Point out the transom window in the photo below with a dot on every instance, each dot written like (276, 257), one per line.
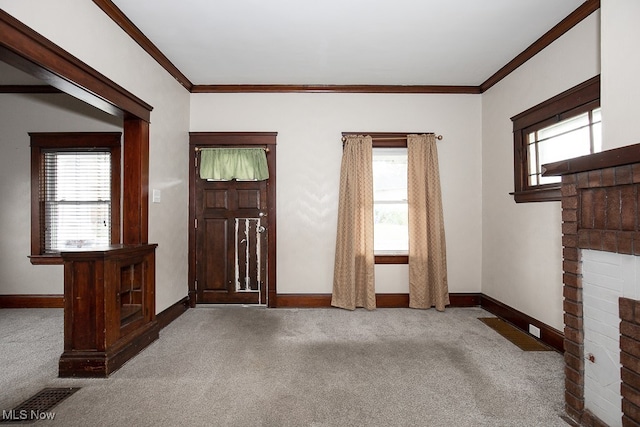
(75, 193)
(566, 126)
(573, 137)
(390, 207)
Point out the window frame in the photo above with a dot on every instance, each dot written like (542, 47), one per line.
(74, 141)
(577, 100)
(387, 140)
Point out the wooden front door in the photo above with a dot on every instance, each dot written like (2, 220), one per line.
(231, 241)
(232, 233)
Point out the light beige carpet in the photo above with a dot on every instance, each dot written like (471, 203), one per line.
(249, 366)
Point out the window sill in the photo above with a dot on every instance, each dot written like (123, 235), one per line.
(547, 194)
(46, 259)
(391, 259)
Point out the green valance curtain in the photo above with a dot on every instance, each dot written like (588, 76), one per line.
(226, 164)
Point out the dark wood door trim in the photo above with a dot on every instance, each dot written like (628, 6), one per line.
(222, 139)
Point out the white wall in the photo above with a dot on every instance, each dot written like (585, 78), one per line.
(85, 31)
(19, 115)
(510, 252)
(608, 276)
(309, 153)
(522, 249)
(620, 71)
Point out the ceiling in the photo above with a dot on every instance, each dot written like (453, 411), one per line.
(343, 42)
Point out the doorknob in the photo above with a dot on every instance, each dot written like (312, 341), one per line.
(262, 214)
(261, 229)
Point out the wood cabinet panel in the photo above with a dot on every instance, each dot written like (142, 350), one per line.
(215, 271)
(109, 312)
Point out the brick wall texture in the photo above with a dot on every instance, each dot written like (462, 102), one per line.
(630, 360)
(600, 212)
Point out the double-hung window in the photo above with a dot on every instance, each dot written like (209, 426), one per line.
(390, 206)
(75, 193)
(390, 201)
(390, 196)
(565, 126)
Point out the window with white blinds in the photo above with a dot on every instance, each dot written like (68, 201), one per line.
(77, 199)
(75, 192)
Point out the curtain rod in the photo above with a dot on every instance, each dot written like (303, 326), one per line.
(395, 138)
(266, 149)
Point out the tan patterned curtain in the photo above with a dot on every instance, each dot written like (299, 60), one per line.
(427, 251)
(353, 277)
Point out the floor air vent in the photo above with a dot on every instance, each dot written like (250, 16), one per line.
(37, 407)
(516, 336)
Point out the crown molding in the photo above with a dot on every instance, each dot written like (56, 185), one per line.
(573, 19)
(416, 89)
(582, 12)
(138, 36)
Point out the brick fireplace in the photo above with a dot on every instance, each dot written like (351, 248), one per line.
(600, 206)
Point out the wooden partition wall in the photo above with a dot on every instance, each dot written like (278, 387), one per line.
(109, 312)
(101, 332)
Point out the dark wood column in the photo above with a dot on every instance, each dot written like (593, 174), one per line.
(135, 206)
